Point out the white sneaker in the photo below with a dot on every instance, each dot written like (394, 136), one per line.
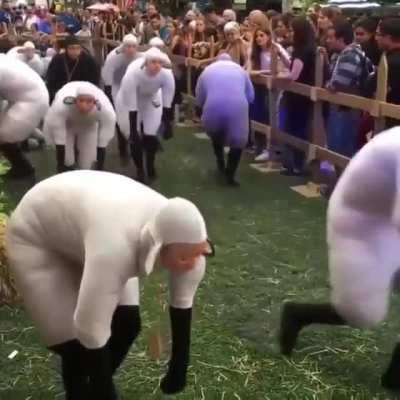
(264, 156)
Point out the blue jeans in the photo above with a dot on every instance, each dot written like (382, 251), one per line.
(342, 129)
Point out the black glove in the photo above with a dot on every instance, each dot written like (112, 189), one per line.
(108, 92)
(133, 136)
(101, 158)
(175, 380)
(60, 155)
(166, 120)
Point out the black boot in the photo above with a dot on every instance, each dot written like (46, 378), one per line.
(74, 371)
(296, 316)
(125, 328)
(151, 146)
(98, 362)
(137, 156)
(122, 143)
(20, 167)
(219, 154)
(391, 378)
(232, 165)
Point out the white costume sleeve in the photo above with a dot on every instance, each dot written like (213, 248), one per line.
(168, 88)
(103, 281)
(128, 90)
(55, 122)
(108, 68)
(183, 287)
(107, 121)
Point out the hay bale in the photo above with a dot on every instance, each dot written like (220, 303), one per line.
(8, 291)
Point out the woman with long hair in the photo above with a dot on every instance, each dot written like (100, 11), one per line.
(260, 62)
(202, 44)
(295, 110)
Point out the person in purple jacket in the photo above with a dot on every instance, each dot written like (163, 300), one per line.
(224, 91)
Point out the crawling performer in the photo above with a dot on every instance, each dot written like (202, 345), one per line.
(77, 243)
(24, 101)
(226, 111)
(363, 238)
(27, 54)
(112, 73)
(81, 116)
(141, 112)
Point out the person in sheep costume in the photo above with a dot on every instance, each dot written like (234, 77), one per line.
(81, 117)
(363, 240)
(143, 110)
(27, 54)
(24, 102)
(77, 243)
(226, 118)
(114, 68)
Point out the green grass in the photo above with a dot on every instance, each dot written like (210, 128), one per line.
(270, 245)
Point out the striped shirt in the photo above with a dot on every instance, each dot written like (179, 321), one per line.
(348, 68)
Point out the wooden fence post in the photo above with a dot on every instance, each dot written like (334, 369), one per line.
(273, 99)
(381, 93)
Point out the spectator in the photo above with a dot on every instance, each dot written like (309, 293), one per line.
(364, 34)
(202, 45)
(155, 29)
(5, 13)
(234, 44)
(258, 20)
(260, 61)
(229, 15)
(295, 110)
(281, 26)
(343, 122)
(73, 65)
(388, 37)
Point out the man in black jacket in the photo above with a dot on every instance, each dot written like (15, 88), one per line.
(72, 65)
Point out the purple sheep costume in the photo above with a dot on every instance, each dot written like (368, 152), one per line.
(224, 91)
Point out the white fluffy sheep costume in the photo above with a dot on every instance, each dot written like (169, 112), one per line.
(24, 101)
(364, 248)
(77, 243)
(144, 109)
(90, 133)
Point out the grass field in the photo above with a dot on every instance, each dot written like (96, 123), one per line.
(270, 248)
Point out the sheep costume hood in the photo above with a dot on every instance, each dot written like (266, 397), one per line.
(36, 63)
(26, 96)
(58, 220)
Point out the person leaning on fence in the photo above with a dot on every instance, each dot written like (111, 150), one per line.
(388, 37)
(343, 122)
(260, 57)
(295, 110)
(73, 65)
(225, 111)
(363, 241)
